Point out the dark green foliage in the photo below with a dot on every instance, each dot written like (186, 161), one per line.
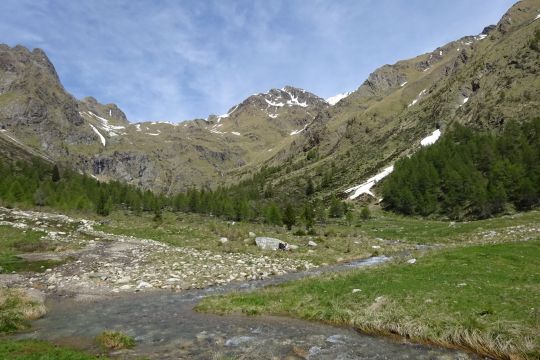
(39, 184)
(55, 174)
(289, 216)
(310, 187)
(365, 214)
(336, 208)
(469, 175)
(273, 215)
(308, 215)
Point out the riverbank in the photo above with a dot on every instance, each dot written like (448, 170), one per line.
(479, 298)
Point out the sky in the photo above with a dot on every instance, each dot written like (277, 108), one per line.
(178, 60)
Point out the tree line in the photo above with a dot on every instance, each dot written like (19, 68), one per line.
(39, 184)
(468, 174)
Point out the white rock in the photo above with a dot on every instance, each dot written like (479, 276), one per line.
(144, 285)
(356, 290)
(312, 243)
(223, 240)
(411, 261)
(252, 234)
(267, 243)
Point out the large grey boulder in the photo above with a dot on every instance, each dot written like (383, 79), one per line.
(268, 243)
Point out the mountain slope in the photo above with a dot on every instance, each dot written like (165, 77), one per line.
(481, 81)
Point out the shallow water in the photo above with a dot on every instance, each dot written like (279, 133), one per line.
(166, 327)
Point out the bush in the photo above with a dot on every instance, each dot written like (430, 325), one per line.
(115, 340)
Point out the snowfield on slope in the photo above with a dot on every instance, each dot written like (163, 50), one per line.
(365, 187)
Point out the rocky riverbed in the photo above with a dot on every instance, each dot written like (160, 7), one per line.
(99, 263)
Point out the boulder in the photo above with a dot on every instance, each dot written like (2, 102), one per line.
(267, 243)
(252, 234)
(312, 243)
(223, 240)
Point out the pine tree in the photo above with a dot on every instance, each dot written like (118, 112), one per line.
(55, 174)
(289, 216)
(310, 187)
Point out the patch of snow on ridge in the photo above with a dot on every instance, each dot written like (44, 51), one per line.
(296, 132)
(101, 137)
(235, 133)
(431, 139)
(110, 129)
(333, 100)
(224, 116)
(537, 17)
(417, 98)
(403, 84)
(365, 187)
(273, 116)
(271, 103)
(481, 37)
(294, 100)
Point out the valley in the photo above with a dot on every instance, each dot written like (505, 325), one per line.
(400, 220)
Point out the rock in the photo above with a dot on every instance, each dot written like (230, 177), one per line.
(411, 261)
(223, 240)
(237, 340)
(312, 243)
(376, 247)
(252, 234)
(356, 290)
(267, 243)
(144, 285)
(292, 247)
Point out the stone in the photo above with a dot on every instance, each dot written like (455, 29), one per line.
(252, 234)
(144, 285)
(267, 243)
(312, 243)
(237, 340)
(411, 261)
(292, 247)
(356, 290)
(223, 240)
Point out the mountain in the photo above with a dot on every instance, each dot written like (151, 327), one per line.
(99, 140)
(480, 81)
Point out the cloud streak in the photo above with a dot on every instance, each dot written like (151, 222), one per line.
(172, 60)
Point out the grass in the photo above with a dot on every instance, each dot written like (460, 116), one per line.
(115, 340)
(481, 298)
(421, 231)
(17, 309)
(15, 241)
(389, 233)
(39, 350)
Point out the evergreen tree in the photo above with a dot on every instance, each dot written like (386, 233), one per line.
(55, 174)
(289, 216)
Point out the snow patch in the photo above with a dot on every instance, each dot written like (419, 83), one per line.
(294, 100)
(296, 132)
(224, 116)
(365, 187)
(101, 137)
(464, 101)
(153, 134)
(431, 139)
(138, 127)
(271, 103)
(273, 116)
(403, 84)
(235, 133)
(480, 37)
(537, 17)
(417, 98)
(440, 53)
(110, 129)
(333, 100)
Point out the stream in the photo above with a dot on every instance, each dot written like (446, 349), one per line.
(165, 327)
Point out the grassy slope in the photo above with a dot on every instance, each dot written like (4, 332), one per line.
(483, 298)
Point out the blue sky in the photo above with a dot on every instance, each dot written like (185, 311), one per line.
(179, 60)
